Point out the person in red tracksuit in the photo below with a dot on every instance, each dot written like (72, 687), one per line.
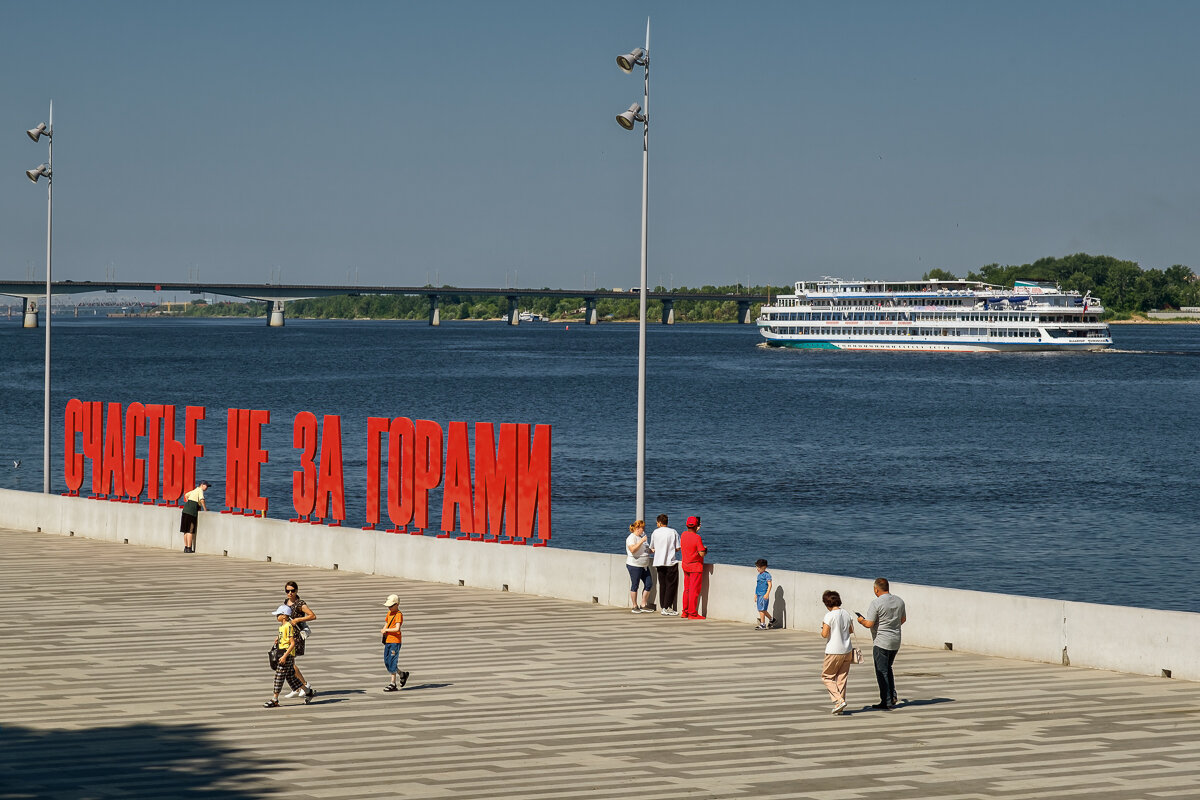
(692, 549)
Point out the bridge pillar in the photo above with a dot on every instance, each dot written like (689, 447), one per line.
(668, 317)
(743, 313)
(435, 311)
(589, 310)
(31, 314)
(514, 310)
(275, 316)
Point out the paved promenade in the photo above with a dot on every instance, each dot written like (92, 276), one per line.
(132, 672)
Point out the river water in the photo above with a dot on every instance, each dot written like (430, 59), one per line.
(1058, 475)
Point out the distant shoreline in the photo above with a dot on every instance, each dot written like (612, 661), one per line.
(1137, 319)
(1134, 320)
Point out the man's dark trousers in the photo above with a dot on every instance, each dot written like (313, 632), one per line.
(883, 673)
(668, 587)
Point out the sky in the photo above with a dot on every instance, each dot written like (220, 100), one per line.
(474, 143)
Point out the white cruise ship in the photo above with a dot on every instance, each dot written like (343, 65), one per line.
(960, 316)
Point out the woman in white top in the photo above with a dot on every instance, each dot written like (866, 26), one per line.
(637, 561)
(836, 627)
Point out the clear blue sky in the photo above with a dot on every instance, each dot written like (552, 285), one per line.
(474, 142)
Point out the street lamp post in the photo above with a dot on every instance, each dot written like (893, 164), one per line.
(640, 57)
(46, 171)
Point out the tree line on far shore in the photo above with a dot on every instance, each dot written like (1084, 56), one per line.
(483, 307)
(1123, 286)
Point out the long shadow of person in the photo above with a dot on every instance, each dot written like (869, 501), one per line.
(779, 609)
(141, 759)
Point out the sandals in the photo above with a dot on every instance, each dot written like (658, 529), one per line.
(391, 687)
(271, 704)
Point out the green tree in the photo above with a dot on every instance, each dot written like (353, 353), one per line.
(939, 275)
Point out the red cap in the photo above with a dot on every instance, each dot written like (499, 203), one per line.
(693, 522)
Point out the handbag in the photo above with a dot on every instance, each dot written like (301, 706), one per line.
(856, 656)
(273, 657)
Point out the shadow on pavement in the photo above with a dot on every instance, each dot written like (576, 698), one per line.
(931, 701)
(335, 692)
(903, 704)
(140, 760)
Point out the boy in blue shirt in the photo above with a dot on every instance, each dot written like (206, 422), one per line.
(762, 595)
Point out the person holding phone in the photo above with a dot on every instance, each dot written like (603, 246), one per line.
(884, 617)
(693, 550)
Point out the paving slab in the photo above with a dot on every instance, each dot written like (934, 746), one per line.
(134, 672)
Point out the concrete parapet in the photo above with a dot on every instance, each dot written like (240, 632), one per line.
(1135, 640)
(1183, 313)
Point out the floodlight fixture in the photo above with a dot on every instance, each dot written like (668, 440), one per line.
(627, 119)
(40, 131)
(42, 171)
(635, 58)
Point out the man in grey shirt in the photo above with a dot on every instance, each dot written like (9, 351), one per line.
(884, 617)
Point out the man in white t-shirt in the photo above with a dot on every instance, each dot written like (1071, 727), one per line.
(664, 543)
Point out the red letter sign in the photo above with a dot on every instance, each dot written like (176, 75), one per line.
(427, 468)
(456, 496)
(237, 457)
(304, 482)
(172, 473)
(112, 475)
(376, 427)
(400, 471)
(495, 480)
(533, 481)
(134, 467)
(73, 461)
(192, 450)
(254, 499)
(330, 487)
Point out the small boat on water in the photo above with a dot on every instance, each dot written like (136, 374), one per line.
(529, 316)
(962, 316)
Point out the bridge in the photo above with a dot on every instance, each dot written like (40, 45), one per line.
(277, 295)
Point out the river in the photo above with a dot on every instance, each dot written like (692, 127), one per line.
(1057, 475)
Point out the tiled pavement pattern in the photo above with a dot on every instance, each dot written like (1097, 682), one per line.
(131, 672)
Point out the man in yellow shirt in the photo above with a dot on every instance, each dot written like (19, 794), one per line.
(193, 503)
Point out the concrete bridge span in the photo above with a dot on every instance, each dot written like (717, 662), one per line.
(278, 295)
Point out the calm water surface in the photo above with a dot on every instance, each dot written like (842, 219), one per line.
(1060, 475)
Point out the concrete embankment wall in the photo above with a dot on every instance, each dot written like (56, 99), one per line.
(1135, 640)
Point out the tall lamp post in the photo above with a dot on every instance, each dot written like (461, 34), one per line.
(46, 171)
(640, 57)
